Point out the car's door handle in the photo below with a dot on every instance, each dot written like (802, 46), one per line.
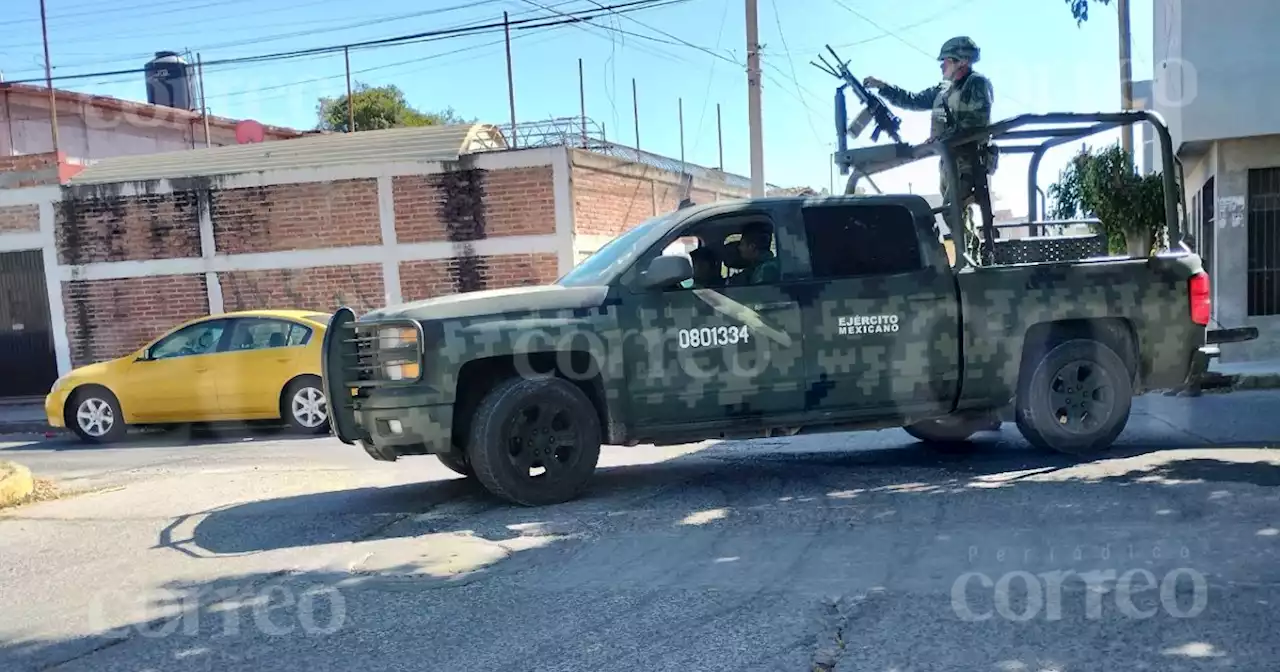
(202, 370)
(928, 297)
(765, 307)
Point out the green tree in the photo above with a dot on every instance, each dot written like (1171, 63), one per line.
(1080, 9)
(1105, 185)
(378, 107)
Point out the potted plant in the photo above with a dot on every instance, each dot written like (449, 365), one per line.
(1106, 186)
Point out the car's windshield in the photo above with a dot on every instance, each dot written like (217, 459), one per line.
(615, 255)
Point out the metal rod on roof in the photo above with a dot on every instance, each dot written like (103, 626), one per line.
(351, 108)
(681, 112)
(204, 108)
(48, 79)
(582, 102)
(511, 85)
(635, 110)
(719, 136)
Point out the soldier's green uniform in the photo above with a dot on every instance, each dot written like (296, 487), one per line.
(958, 105)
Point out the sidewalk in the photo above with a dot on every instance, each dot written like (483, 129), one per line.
(23, 416)
(1263, 375)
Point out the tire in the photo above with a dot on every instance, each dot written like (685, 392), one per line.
(566, 409)
(1047, 391)
(304, 407)
(94, 414)
(456, 461)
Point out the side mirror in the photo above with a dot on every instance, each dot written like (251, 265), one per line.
(665, 271)
(144, 355)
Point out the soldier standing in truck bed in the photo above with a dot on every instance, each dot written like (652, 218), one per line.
(962, 101)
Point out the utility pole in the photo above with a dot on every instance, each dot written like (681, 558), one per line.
(351, 108)
(48, 79)
(511, 83)
(582, 103)
(753, 102)
(204, 107)
(1126, 75)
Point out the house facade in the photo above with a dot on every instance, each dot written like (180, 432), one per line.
(1210, 67)
(104, 257)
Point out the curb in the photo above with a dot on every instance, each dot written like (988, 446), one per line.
(1261, 381)
(16, 483)
(27, 427)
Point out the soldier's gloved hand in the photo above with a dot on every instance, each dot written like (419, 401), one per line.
(873, 83)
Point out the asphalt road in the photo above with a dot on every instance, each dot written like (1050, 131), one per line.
(848, 552)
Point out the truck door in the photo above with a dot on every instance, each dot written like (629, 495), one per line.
(714, 349)
(881, 312)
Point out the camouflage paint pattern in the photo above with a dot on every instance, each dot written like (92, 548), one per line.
(802, 350)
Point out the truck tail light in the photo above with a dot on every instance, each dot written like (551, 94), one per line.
(1201, 303)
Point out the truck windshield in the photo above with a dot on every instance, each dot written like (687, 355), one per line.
(616, 255)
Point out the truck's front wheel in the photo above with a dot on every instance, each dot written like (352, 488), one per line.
(535, 441)
(1076, 399)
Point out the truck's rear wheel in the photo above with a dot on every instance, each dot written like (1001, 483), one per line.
(1076, 399)
(535, 441)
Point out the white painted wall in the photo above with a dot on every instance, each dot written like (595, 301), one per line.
(389, 253)
(1214, 63)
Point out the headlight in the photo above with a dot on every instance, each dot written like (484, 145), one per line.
(396, 337)
(398, 349)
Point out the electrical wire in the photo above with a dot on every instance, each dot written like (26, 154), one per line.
(795, 79)
(297, 33)
(522, 24)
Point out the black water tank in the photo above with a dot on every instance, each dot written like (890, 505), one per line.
(169, 81)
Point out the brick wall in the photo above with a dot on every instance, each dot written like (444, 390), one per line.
(124, 228)
(295, 216)
(111, 318)
(322, 288)
(425, 279)
(18, 218)
(474, 204)
(608, 202)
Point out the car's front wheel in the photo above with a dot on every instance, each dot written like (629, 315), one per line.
(94, 414)
(304, 405)
(535, 441)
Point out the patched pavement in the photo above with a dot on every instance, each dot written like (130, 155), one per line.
(841, 552)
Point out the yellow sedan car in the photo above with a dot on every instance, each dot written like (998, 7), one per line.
(248, 365)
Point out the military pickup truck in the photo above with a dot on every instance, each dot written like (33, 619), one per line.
(788, 316)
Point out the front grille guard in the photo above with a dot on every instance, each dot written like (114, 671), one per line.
(353, 361)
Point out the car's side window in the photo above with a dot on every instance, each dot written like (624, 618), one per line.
(847, 241)
(257, 334)
(727, 251)
(195, 339)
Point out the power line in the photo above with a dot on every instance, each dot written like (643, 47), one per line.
(794, 78)
(301, 33)
(522, 24)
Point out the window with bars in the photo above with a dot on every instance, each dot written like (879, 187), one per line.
(1263, 295)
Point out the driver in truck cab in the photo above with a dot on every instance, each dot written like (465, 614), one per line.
(754, 248)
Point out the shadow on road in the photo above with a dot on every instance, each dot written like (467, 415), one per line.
(177, 436)
(714, 560)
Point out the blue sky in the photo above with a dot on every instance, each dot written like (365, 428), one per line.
(1038, 58)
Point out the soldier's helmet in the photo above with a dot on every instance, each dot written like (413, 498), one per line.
(961, 48)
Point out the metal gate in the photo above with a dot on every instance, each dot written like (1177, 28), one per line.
(28, 365)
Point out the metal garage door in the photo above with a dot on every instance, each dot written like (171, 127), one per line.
(27, 363)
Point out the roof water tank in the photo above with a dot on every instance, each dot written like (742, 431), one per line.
(169, 81)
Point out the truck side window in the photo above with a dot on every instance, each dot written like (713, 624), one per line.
(860, 240)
